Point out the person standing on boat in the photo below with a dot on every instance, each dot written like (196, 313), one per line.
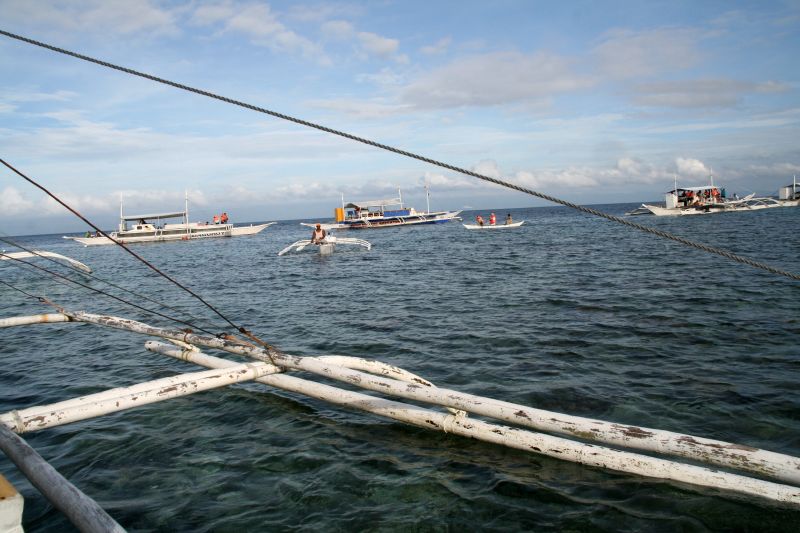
(224, 218)
(216, 219)
(479, 220)
(508, 219)
(318, 235)
(492, 220)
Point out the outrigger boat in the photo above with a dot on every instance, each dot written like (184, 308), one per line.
(326, 246)
(705, 200)
(143, 230)
(494, 226)
(382, 214)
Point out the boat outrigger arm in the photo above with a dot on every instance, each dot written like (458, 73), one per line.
(5, 256)
(326, 246)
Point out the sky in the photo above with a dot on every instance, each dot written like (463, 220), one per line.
(592, 102)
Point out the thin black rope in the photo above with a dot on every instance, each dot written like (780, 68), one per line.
(122, 300)
(39, 298)
(543, 196)
(134, 254)
(92, 276)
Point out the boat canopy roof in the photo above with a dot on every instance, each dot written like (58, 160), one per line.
(701, 188)
(373, 203)
(178, 214)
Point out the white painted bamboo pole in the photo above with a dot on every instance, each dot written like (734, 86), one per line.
(33, 319)
(109, 401)
(762, 462)
(81, 510)
(521, 439)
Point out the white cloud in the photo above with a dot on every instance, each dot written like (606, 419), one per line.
(92, 16)
(451, 182)
(373, 44)
(339, 30)
(257, 22)
(692, 168)
(625, 54)
(439, 47)
(707, 93)
(361, 109)
(24, 96)
(495, 79)
(13, 203)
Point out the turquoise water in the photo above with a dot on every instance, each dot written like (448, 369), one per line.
(568, 313)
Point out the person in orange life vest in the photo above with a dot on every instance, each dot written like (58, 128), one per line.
(223, 219)
(318, 235)
(216, 219)
(492, 220)
(479, 220)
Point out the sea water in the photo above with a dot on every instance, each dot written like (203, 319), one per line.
(569, 313)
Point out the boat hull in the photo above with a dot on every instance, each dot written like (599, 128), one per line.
(495, 226)
(389, 222)
(751, 204)
(198, 232)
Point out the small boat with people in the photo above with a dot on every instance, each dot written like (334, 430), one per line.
(492, 224)
(155, 228)
(495, 226)
(383, 213)
(325, 246)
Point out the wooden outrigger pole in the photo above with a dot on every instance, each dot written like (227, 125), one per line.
(394, 381)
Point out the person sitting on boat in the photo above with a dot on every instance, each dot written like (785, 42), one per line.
(479, 220)
(318, 235)
(508, 219)
(492, 220)
(223, 219)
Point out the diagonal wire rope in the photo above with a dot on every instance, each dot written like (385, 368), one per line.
(96, 278)
(588, 210)
(241, 329)
(121, 300)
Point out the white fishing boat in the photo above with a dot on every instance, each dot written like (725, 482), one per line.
(325, 247)
(494, 226)
(154, 228)
(385, 213)
(704, 200)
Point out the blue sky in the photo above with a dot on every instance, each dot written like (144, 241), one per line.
(593, 102)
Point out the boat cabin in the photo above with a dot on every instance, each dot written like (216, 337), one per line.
(141, 222)
(689, 196)
(372, 209)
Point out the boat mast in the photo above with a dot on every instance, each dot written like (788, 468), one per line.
(401, 197)
(122, 225)
(428, 195)
(186, 207)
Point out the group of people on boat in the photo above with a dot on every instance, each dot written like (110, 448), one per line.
(492, 220)
(221, 219)
(712, 195)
